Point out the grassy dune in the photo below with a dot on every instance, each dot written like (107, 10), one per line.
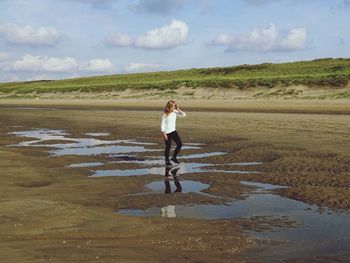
(334, 73)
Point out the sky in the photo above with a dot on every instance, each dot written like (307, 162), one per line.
(56, 39)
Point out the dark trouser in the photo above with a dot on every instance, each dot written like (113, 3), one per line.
(176, 138)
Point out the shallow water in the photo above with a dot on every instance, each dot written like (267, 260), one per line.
(117, 149)
(314, 232)
(184, 168)
(97, 134)
(258, 203)
(83, 146)
(78, 146)
(172, 186)
(76, 165)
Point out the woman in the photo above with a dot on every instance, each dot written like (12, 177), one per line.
(169, 131)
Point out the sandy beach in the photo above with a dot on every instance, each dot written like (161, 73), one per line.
(51, 212)
(327, 106)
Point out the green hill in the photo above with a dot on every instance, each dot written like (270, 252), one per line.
(317, 73)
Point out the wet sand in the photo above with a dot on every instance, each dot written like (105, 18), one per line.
(273, 105)
(54, 213)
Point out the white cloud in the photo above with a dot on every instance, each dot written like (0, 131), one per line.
(99, 65)
(49, 65)
(222, 39)
(162, 7)
(43, 63)
(27, 35)
(263, 40)
(259, 39)
(168, 36)
(142, 67)
(118, 40)
(295, 39)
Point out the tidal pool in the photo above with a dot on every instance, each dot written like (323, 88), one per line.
(184, 168)
(116, 149)
(177, 186)
(313, 233)
(78, 146)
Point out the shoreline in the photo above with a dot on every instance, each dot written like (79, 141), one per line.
(246, 105)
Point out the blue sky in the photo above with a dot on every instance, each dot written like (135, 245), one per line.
(50, 39)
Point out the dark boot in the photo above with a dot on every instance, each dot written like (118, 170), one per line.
(174, 159)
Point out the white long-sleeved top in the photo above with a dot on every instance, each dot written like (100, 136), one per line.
(169, 122)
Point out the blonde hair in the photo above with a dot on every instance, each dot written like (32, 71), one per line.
(169, 107)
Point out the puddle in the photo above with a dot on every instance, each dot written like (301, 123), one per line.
(60, 144)
(79, 146)
(261, 187)
(168, 186)
(174, 185)
(182, 157)
(254, 205)
(184, 168)
(316, 233)
(42, 134)
(75, 165)
(159, 160)
(97, 134)
(99, 150)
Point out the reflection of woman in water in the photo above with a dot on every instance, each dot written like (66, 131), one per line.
(176, 180)
(169, 132)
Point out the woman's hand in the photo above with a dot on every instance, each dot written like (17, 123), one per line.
(165, 136)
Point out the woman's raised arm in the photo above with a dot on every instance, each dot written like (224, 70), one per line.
(180, 113)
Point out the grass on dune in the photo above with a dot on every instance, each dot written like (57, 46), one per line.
(317, 73)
